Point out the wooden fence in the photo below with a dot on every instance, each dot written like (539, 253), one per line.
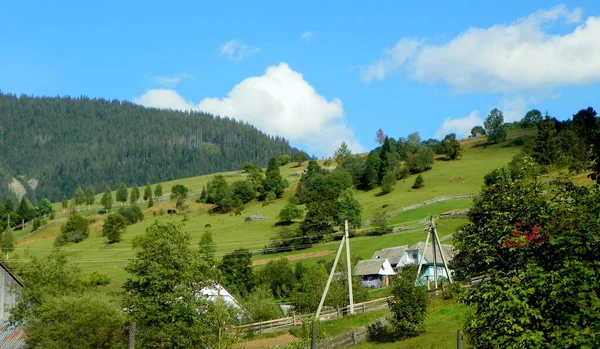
(345, 340)
(330, 314)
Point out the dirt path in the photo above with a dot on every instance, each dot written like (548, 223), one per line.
(264, 343)
(295, 257)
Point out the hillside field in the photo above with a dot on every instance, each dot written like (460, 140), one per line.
(462, 176)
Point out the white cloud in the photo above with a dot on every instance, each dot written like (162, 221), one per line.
(461, 126)
(236, 50)
(308, 36)
(172, 80)
(393, 59)
(280, 102)
(522, 55)
(513, 109)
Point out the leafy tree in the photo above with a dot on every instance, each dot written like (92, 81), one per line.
(107, 199)
(243, 190)
(261, 305)
(494, 126)
(90, 195)
(135, 195)
(7, 241)
(255, 176)
(179, 193)
(279, 276)
(147, 192)
(478, 131)
(450, 146)
(236, 272)
(408, 304)
(418, 182)
(420, 161)
(79, 198)
(121, 194)
(307, 294)
(289, 212)
(531, 119)
(161, 290)
(132, 214)
(380, 136)
(158, 191)
(342, 153)
(64, 202)
(284, 160)
(414, 138)
(114, 227)
(76, 229)
(207, 248)
(45, 207)
(388, 183)
(536, 250)
(349, 208)
(273, 181)
(300, 157)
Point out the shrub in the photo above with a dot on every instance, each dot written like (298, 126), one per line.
(376, 330)
(418, 182)
(76, 229)
(99, 279)
(132, 214)
(409, 304)
(453, 290)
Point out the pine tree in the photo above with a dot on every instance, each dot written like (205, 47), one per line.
(90, 196)
(342, 153)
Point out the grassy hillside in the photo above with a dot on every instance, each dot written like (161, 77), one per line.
(229, 232)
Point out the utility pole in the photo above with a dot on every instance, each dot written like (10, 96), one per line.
(337, 257)
(435, 241)
(349, 267)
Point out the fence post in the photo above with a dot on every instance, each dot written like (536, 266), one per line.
(459, 339)
(313, 337)
(294, 318)
(354, 337)
(132, 332)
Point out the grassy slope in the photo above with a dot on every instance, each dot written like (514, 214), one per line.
(447, 177)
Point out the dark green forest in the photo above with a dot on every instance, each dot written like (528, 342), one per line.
(68, 142)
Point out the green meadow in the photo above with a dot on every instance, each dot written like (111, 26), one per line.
(462, 176)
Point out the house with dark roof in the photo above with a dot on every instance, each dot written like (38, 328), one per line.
(374, 272)
(392, 254)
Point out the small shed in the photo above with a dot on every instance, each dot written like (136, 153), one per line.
(374, 272)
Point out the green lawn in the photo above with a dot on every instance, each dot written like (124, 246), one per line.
(444, 319)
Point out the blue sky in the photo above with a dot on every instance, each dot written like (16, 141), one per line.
(317, 73)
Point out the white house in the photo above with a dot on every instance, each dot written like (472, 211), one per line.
(374, 272)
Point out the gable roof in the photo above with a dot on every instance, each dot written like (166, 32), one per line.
(13, 276)
(392, 254)
(215, 290)
(373, 267)
(448, 250)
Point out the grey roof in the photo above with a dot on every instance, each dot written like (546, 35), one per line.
(11, 274)
(449, 252)
(393, 254)
(368, 267)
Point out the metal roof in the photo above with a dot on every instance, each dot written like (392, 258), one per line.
(373, 267)
(11, 336)
(392, 254)
(448, 250)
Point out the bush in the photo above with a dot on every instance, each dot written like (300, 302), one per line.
(132, 214)
(409, 304)
(453, 290)
(418, 182)
(76, 229)
(99, 279)
(376, 330)
(113, 228)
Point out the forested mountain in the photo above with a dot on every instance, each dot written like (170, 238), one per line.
(52, 145)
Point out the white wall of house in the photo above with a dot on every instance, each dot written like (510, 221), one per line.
(8, 295)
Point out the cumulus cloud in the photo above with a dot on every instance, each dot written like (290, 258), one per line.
(279, 102)
(461, 126)
(236, 50)
(513, 109)
(522, 55)
(308, 36)
(172, 80)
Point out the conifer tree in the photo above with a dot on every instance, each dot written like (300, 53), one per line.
(122, 194)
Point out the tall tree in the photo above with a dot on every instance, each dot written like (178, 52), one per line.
(450, 146)
(414, 138)
(380, 136)
(158, 191)
(236, 272)
(546, 147)
(90, 196)
(45, 207)
(300, 157)
(273, 181)
(107, 199)
(494, 126)
(121, 195)
(147, 193)
(64, 203)
(114, 226)
(162, 287)
(531, 119)
(342, 153)
(79, 197)
(179, 193)
(135, 194)
(350, 209)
